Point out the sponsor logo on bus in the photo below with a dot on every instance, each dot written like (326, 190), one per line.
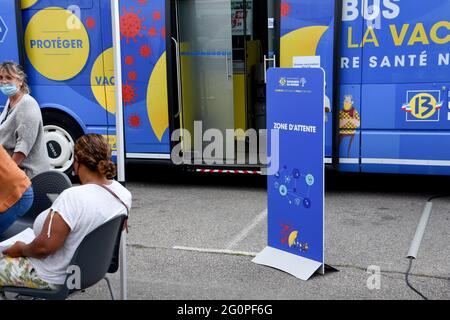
(423, 106)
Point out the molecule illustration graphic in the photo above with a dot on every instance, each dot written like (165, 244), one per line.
(288, 183)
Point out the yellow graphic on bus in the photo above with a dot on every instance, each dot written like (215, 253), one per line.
(423, 106)
(102, 80)
(157, 103)
(112, 141)
(301, 42)
(25, 4)
(57, 43)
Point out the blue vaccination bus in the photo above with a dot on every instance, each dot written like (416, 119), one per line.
(189, 66)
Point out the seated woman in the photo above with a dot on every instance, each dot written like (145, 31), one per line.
(76, 212)
(21, 128)
(16, 193)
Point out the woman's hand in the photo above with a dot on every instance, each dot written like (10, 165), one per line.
(15, 251)
(125, 226)
(18, 158)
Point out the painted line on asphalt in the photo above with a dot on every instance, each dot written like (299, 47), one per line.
(218, 251)
(244, 233)
(252, 254)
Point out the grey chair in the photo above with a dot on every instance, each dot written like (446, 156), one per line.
(45, 186)
(94, 257)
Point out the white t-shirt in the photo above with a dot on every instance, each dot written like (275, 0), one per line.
(83, 208)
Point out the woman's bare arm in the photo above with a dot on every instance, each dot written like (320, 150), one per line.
(43, 246)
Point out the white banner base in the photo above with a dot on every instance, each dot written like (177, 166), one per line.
(297, 266)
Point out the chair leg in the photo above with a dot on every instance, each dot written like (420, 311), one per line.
(110, 288)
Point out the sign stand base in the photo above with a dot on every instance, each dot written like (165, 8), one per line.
(297, 266)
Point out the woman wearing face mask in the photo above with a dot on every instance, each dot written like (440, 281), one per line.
(21, 128)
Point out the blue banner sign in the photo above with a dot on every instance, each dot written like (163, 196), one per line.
(9, 45)
(295, 107)
(9, 48)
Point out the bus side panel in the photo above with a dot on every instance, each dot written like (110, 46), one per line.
(408, 43)
(350, 90)
(109, 76)
(9, 45)
(406, 74)
(63, 45)
(307, 30)
(144, 73)
(9, 28)
(351, 51)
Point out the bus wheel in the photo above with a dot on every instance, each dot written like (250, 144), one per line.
(60, 134)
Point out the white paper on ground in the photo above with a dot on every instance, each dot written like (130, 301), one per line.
(27, 236)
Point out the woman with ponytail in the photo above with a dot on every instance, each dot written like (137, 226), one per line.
(75, 213)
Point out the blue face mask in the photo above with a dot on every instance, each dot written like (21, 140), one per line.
(9, 89)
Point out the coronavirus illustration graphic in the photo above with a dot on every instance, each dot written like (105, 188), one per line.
(156, 15)
(132, 75)
(152, 32)
(128, 94)
(285, 232)
(129, 60)
(145, 51)
(131, 25)
(90, 23)
(285, 9)
(134, 120)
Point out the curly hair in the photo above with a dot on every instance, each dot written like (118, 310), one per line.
(16, 71)
(94, 152)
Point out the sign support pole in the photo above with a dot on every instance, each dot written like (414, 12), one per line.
(121, 157)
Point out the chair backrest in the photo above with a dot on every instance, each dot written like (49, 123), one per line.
(95, 253)
(44, 184)
(114, 267)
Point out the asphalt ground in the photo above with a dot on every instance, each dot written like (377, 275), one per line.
(192, 237)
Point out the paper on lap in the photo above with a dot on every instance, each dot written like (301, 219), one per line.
(27, 236)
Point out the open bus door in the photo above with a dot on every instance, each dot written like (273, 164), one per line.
(11, 34)
(203, 61)
(216, 65)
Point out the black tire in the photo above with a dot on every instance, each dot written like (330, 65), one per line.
(61, 133)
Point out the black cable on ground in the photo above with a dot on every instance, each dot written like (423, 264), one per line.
(407, 280)
(439, 197)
